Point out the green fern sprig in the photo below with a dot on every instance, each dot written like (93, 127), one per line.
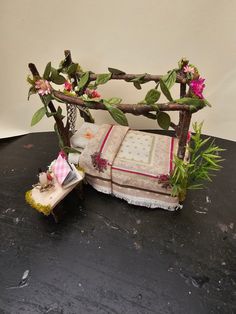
(204, 160)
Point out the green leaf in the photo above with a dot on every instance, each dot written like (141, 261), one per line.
(57, 99)
(114, 101)
(115, 71)
(83, 80)
(32, 91)
(103, 78)
(210, 160)
(207, 103)
(56, 77)
(89, 116)
(192, 109)
(54, 73)
(72, 69)
(155, 107)
(61, 144)
(38, 116)
(47, 99)
(169, 79)
(116, 114)
(92, 86)
(59, 113)
(59, 80)
(59, 110)
(91, 100)
(196, 102)
(165, 90)
(139, 78)
(68, 150)
(63, 70)
(163, 120)
(85, 97)
(30, 80)
(137, 85)
(195, 186)
(152, 96)
(47, 71)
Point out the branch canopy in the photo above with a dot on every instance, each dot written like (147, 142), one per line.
(80, 91)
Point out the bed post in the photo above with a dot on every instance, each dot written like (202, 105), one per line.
(184, 134)
(181, 113)
(183, 126)
(62, 130)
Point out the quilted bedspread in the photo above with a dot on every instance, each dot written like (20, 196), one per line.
(129, 164)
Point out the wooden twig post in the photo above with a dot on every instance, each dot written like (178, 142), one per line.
(184, 134)
(63, 130)
(183, 125)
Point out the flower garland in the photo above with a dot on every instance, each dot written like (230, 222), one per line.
(193, 79)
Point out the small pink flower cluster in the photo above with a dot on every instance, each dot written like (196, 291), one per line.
(196, 82)
(92, 93)
(63, 154)
(164, 178)
(68, 86)
(189, 135)
(189, 69)
(43, 87)
(98, 162)
(197, 86)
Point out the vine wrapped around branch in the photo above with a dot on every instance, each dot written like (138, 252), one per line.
(80, 89)
(135, 109)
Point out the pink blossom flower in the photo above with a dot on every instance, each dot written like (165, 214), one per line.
(49, 176)
(189, 136)
(197, 87)
(92, 93)
(189, 69)
(99, 163)
(164, 178)
(68, 86)
(43, 87)
(62, 154)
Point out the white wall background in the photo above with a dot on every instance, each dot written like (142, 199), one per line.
(134, 35)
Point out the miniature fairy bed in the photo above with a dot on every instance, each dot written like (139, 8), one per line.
(143, 168)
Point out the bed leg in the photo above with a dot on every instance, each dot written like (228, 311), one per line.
(181, 113)
(184, 134)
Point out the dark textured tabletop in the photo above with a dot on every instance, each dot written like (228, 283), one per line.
(105, 256)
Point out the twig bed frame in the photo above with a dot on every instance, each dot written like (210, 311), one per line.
(185, 110)
(80, 93)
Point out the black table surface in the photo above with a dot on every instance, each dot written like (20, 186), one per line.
(106, 256)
